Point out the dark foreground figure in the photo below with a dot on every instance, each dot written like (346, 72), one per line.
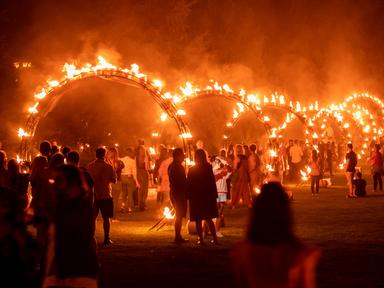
(272, 256)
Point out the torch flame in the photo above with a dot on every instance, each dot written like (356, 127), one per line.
(167, 213)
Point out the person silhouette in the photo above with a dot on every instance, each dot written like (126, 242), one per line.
(272, 256)
(202, 195)
(103, 176)
(71, 254)
(178, 195)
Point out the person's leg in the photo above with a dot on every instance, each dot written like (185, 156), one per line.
(380, 182)
(375, 181)
(131, 189)
(143, 190)
(351, 184)
(199, 229)
(348, 176)
(317, 184)
(124, 197)
(116, 191)
(107, 214)
(212, 228)
(124, 193)
(235, 197)
(178, 225)
(141, 180)
(106, 226)
(220, 207)
(312, 184)
(330, 168)
(246, 195)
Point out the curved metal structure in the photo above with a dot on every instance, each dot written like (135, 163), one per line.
(53, 95)
(233, 97)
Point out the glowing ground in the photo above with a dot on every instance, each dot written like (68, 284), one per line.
(349, 232)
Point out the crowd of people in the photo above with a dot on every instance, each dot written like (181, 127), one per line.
(65, 199)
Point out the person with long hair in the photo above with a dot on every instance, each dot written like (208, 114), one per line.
(112, 158)
(376, 162)
(314, 164)
(202, 195)
(241, 188)
(142, 176)
(254, 167)
(162, 176)
(71, 256)
(272, 256)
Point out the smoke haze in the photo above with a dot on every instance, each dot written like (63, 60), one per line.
(304, 49)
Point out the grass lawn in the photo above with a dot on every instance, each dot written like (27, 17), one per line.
(350, 233)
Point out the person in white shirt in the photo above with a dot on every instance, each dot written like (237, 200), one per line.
(296, 154)
(128, 180)
(222, 172)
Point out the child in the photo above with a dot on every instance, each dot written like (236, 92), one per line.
(222, 172)
(359, 185)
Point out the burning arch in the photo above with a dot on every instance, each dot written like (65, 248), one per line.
(365, 96)
(47, 98)
(242, 106)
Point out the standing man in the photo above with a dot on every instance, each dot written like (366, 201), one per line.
(254, 167)
(178, 191)
(142, 168)
(350, 170)
(128, 180)
(103, 176)
(296, 154)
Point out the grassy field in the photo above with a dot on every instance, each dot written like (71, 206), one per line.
(350, 233)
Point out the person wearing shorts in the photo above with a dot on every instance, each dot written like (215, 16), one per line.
(221, 170)
(103, 176)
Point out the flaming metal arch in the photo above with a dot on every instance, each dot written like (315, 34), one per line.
(126, 77)
(328, 113)
(204, 94)
(300, 116)
(367, 97)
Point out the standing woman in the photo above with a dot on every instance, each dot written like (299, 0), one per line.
(240, 179)
(162, 176)
(112, 158)
(202, 194)
(314, 164)
(377, 167)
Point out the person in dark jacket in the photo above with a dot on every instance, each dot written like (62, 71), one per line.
(178, 193)
(202, 195)
(18, 184)
(71, 257)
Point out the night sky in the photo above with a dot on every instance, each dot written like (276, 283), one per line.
(305, 49)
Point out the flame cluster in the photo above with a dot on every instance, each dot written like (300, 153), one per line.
(348, 113)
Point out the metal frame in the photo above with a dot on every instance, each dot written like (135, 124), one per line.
(119, 76)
